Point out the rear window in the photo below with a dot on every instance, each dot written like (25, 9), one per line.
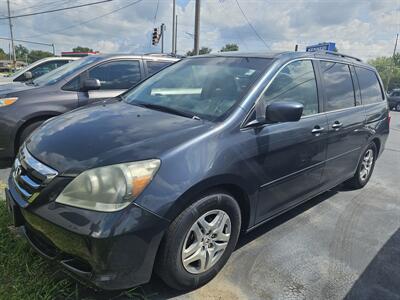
(371, 91)
(155, 66)
(338, 85)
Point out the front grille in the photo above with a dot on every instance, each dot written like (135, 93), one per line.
(30, 176)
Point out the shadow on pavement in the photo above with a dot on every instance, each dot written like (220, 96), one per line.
(381, 279)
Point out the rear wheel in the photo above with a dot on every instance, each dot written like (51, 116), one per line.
(199, 241)
(398, 107)
(365, 168)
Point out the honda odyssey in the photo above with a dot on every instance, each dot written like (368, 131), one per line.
(164, 178)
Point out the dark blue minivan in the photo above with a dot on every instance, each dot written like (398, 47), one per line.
(164, 177)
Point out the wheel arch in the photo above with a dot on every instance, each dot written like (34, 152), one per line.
(228, 183)
(29, 121)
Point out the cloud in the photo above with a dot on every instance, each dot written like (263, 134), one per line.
(362, 28)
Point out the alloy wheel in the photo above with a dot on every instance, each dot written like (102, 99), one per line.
(366, 165)
(206, 241)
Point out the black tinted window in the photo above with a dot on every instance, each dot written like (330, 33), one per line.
(338, 85)
(155, 66)
(295, 82)
(117, 75)
(370, 88)
(43, 69)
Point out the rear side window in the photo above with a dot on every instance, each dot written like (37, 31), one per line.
(117, 75)
(371, 91)
(295, 82)
(155, 66)
(338, 85)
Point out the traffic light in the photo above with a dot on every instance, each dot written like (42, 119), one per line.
(156, 37)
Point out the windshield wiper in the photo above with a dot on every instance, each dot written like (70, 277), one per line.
(167, 110)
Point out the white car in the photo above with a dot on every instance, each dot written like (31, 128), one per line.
(36, 69)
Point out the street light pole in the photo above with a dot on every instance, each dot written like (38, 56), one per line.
(173, 26)
(11, 34)
(197, 28)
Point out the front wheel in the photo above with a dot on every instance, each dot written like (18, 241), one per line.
(365, 168)
(199, 241)
(398, 107)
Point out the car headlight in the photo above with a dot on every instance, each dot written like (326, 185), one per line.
(7, 101)
(109, 188)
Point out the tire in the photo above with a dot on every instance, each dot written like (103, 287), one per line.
(398, 107)
(186, 232)
(26, 133)
(361, 178)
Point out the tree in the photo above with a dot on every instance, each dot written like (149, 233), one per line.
(230, 47)
(3, 55)
(203, 50)
(35, 55)
(21, 52)
(388, 67)
(82, 49)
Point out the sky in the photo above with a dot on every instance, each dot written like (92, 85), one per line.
(362, 28)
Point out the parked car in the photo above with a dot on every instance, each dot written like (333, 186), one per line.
(167, 175)
(394, 99)
(25, 106)
(36, 69)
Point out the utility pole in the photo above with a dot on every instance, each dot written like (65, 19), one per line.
(162, 37)
(176, 34)
(173, 26)
(393, 63)
(11, 34)
(197, 28)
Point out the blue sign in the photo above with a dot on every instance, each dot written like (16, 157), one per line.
(321, 47)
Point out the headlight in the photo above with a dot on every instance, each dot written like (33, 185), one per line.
(7, 101)
(109, 188)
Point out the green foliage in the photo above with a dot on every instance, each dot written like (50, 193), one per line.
(203, 50)
(388, 67)
(230, 47)
(35, 55)
(21, 52)
(3, 55)
(82, 49)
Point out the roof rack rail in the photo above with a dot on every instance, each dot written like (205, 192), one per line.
(340, 54)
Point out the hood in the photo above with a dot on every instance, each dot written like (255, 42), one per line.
(15, 87)
(109, 133)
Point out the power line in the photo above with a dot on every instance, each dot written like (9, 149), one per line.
(251, 26)
(88, 21)
(54, 10)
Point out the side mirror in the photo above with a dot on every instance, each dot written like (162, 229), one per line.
(90, 84)
(28, 75)
(283, 112)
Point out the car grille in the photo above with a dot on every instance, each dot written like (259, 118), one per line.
(30, 176)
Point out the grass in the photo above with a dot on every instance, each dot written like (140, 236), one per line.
(26, 275)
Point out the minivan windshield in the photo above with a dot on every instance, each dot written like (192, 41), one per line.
(205, 87)
(64, 71)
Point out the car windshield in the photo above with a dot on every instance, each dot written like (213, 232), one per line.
(205, 87)
(64, 71)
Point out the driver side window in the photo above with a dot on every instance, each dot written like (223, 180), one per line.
(295, 82)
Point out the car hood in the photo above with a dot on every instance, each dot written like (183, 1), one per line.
(15, 87)
(109, 133)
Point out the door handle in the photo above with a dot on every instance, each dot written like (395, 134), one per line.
(337, 125)
(317, 130)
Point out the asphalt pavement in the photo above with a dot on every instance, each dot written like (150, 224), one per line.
(341, 245)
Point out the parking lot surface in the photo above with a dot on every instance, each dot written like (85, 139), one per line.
(342, 244)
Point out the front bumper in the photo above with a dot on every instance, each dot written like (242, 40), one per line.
(109, 250)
